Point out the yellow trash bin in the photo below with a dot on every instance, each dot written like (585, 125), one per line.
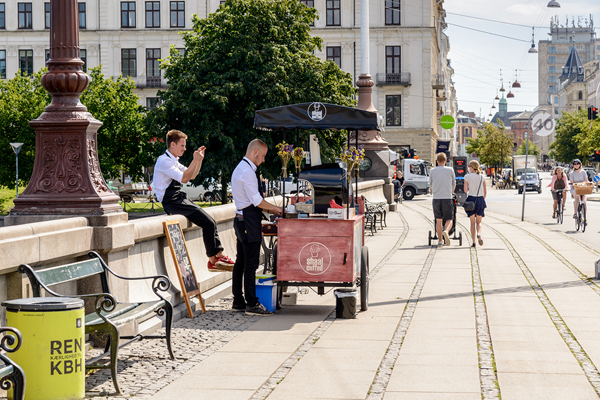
(52, 355)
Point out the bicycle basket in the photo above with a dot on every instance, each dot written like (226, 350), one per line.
(584, 188)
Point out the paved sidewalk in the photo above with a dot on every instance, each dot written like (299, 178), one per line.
(516, 318)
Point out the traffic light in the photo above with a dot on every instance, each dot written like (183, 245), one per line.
(592, 113)
(595, 156)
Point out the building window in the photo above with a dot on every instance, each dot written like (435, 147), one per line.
(555, 100)
(2, 19)
(552, 79)
(552, 69)
(152, 68)
(580, 96)
(128, 14)
(552, 59)
(177, 14)
(24, 15)
(26, 62)
(393, 110)
(3, 64)
(128, 64)
(47, 15)
(551, 49)
(152, 102)
(47, 55)
(152, 14)
(83, 56)
(311, 4)
(181, 51)
(82, 19)
(467, 134)
(392, 59)
(392, 12)
(333, 12)
(335, 54)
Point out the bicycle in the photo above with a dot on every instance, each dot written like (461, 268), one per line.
(581, 221)
(559, 208)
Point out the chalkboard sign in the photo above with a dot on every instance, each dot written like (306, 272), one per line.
(183, 265)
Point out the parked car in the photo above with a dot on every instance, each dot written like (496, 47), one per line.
(591, 173)
(532, 182)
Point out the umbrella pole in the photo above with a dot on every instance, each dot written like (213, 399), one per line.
(298, 171)
(283, 187)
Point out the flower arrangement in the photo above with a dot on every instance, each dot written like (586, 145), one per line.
(352, 157)
(284, 151)
(298, 155)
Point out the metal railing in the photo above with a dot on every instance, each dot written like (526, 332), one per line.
(438, 82)
(400, 78)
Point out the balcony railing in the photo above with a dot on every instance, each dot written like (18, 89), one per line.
(399, 79)
(142, 82)
(438, 82)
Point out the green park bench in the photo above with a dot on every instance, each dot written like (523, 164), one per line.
(109, 314)
(11, 375)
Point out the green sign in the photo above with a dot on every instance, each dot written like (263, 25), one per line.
(447, 122)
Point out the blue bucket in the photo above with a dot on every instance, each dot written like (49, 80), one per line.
(266, 291)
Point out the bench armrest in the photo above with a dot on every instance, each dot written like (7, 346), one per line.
(11, 337)
(160, 282)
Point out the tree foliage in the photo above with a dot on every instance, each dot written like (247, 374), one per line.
(247, 56)
(572, 137)
(124, 143)
(22, 99)
(533, 149)
(493, 144)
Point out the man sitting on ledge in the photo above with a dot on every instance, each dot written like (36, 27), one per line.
(169, 174)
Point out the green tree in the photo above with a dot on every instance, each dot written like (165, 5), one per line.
(249, 55)
(533, 149)
(22, 99)
(570, 129)
(124, 143)
(493, 144)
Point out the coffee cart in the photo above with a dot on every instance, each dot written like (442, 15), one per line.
(316, 251)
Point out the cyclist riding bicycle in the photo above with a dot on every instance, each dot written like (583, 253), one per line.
(578, 175)
(559, 181)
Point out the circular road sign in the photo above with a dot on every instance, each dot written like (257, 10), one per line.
(447, 122)
(596, 178)
(543, 124)
(473, 155)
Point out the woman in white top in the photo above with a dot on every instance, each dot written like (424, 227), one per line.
(475, 186)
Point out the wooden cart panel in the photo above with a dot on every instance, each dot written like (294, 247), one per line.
(319, 250)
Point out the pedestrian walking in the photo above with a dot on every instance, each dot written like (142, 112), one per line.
(476, 188)
(442, 182)
(558, 182)
(169, 174)
(249, 203)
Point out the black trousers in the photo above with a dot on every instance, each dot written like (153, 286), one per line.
(198, 216)
(244, 269)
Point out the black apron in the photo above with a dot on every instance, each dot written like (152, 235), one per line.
(175, 201)
(252, 218)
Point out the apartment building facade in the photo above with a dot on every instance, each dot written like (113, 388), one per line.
(408, 49)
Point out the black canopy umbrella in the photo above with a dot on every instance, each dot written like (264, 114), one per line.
(315, 116)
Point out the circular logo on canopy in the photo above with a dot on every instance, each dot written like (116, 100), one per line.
(447, 122)
(314, 258)
(316, 111)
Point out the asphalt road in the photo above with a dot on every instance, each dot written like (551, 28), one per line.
(538, 209)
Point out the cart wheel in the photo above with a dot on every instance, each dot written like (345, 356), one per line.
(460, 238)
(429, 238)
(364, 279)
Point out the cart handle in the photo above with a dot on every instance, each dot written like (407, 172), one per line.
(262, 280)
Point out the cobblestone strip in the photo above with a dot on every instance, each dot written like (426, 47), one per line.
(583, 277)
(488, 375)
(588, 367)
(384, 372)
(144, 367)
(267, 388)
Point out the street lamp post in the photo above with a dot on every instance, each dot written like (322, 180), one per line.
(17, 148)
(526, 156)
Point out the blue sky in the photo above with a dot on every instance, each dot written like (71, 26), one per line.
(478, 57)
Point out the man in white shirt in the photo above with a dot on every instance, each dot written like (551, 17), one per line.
(249, 204)
(443, 182)
(169, 174)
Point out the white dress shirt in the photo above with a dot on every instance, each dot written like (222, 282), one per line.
(244, 186)
(167, 168)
